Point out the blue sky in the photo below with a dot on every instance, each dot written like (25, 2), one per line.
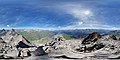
(60, 14)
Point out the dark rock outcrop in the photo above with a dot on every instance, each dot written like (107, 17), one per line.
(90, 43)
(39, 51)
(113, 37)
(93, 37)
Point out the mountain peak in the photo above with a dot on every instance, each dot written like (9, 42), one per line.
(93, 37)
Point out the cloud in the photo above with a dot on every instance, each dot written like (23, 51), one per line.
(86, 17)
(87, 26)
(80, 23)
(8, 25)
(80, 12)
(60, 14)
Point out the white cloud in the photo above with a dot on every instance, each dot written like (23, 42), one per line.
(80, 23)
(87, 18)
(87, 26)
(87, 12)
(85, 15)
(8, 25)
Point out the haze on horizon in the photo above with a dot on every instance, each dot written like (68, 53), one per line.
(60, 14)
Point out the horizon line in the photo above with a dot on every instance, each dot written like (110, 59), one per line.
(64, 28)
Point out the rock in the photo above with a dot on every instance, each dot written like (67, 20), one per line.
(11, 42)
(65, 57)
(44, 57)
(14, 45)
(93, 37)
(91, 43)
(102, 54)
(29, 53)
(3, 32)
(39, 51)
(49, 49)
(1, 40)
(113, 56)
(13, 54)
(6, 57)
(113, 37)
(108, 37)
(50, 43)
(59, 37)
(56, 46)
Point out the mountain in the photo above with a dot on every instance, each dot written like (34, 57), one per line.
(13, 38)
(36, 34)
(12, 43)
(115, 32)
(93, 45)
(80, 33)
(93, 37)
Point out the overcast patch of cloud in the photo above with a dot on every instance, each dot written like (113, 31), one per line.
(86, 17)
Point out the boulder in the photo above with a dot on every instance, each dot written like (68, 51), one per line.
(6, 57)
(39, 51)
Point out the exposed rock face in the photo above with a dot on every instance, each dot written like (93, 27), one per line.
(93, 37)
(109, 37)
(39, 51)
(13, 45)
(113, 37)
(53, 45)
(94, 45)
(90, 43)
(59, 37)
(14, 39)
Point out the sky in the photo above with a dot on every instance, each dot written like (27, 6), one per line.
(60, 14)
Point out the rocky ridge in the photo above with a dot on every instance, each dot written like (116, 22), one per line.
(13, 45)
(94, 45)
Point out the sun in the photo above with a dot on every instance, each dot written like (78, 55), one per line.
(87, 12)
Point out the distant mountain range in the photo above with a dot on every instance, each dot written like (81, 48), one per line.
(32, 34)
(79, 33)
(115, 32)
